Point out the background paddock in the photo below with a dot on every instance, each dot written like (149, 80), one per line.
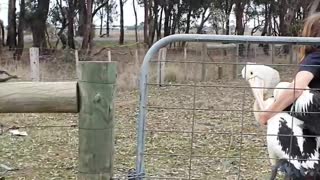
(213, 113)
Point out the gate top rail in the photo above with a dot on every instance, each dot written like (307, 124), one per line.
(195, 38)
(219, 38)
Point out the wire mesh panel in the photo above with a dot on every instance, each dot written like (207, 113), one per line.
(199, 124)
(34, 146)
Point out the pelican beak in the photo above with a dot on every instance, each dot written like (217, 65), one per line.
(257, 85)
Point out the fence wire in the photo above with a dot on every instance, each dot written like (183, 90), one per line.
(38, 145)
(50, 149)
(194, 129)
(204, 128)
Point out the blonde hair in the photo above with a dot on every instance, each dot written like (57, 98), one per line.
(311, 28)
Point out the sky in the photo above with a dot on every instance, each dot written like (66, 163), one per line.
(128, 13)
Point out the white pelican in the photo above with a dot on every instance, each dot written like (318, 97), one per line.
(254, 74)
(289, 151)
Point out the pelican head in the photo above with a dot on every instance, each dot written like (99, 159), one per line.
(261, 78)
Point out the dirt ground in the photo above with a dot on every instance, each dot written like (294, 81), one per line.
(202, 132)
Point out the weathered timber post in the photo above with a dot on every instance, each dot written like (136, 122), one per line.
(273, 49)
(291, 54)
(96, 122)
(38, 97)
(76, 56)
(161, 66)
(185, 59)
(204, 54)
(235, 65)
(255, 51)
(34, 64)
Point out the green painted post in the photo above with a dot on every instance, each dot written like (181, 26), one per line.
(97, 81)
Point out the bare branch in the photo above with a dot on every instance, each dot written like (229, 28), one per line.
(99, 7)
(314, 7)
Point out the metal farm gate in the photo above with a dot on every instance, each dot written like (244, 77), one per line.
(189, 161)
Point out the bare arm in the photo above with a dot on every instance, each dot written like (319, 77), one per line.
(289, 95)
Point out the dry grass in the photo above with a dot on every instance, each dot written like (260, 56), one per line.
(51, 153)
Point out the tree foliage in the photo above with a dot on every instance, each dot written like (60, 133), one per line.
(162, 18)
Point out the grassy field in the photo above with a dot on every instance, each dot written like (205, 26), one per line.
(203, 132)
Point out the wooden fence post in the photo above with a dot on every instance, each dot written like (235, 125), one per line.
(76, 56)
(34, 64)
(219, 72)
(235, 66)
(109, 55)
(96, 119)
(185, 58)
(161, 66)
(255, 51)
(272, 53)
(136, 55)
(291, 54)
(204, 54)
(295, 55)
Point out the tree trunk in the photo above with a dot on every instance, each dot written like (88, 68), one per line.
(101, 24)
(188, 22)
(189, 18)
(38, 34)
(62, 36)
(121, 39)
(71, 15)
(176, 19)
(82, 17)
(166, 21)
(239, 10)
(270, 20)
(108, 20)
(276, 26)
(283, 26)
(88, 27)
(160, 25)
(2, 33)
(146, 21)
(151, 23)
(287, 14)
(167, 15)
(265, 27)
(227, 10)
(12, 26)
(174, 23)
(136, 20)
(20, 30)
(38, 25)
(228, 26)
(204, 19)
(154, 22)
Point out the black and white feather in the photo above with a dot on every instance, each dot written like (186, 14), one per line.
(293, 148)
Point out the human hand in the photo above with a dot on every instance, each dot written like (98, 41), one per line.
(264, 117)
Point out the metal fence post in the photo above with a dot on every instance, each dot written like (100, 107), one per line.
(96, 122)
